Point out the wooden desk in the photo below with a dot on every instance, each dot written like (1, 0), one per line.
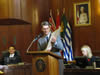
(25, 69)
(82, 72)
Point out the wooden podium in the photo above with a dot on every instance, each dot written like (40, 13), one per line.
(44, 63)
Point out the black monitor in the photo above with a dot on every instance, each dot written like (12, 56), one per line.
(81, 61)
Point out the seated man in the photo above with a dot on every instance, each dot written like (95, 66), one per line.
(11, 56)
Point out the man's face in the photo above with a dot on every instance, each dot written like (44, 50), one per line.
(46, 29)
(11, 50)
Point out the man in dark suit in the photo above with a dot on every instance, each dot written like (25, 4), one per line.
(11, 56)
(57, 45)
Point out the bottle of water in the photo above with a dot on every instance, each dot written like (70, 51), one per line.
(94, 65)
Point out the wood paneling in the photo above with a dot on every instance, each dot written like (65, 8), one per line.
(40, 12)
(25, 69)
(18, 35)
(84, 35)
(97, 22)
(14, 9)
(13, 13)
(81, 35)
(81, 71)
(49, 63)
(32, 11)
(4, 9)
(26, 10)
(10, 9)
(36, 11)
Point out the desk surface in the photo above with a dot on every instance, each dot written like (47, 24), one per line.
(73, 71)
(25, 69)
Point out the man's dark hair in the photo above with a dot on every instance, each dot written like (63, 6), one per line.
(12, 46)
(45, 23)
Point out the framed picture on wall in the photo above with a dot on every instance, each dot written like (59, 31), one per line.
(82, 14)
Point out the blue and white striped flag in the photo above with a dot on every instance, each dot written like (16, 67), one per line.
(66, 39)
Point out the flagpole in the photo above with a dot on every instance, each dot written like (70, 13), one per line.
(51, 21)
(57, 19)
(66, 38)
(52, 18)
(63, 10)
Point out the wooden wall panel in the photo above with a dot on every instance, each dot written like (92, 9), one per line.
(97, 22)
(3, 41)
(40, 12)
(33, 11)
(55, 5)
(85, 34)
(36, 11)
(88, 35)
(15, 9)
(3, 37)
(26, 10)
(23, 39)
(18, 35)
(4, 9)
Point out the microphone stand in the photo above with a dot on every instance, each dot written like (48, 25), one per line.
(31, 44)
(36, 38)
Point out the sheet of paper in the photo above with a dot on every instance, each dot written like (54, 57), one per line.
(55, 34)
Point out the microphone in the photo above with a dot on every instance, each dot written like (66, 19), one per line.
(36, 38)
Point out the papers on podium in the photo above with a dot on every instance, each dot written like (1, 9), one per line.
(55, 34)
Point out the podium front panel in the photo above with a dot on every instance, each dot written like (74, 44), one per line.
(45, 65)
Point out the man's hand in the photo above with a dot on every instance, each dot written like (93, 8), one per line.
(53, 40)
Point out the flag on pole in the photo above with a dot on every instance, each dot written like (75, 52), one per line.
(66, 38)
(51, 21)
(58, 19)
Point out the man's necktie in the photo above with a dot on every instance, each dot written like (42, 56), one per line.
(47, 39)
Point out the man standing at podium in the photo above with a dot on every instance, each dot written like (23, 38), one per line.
(57, 45)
